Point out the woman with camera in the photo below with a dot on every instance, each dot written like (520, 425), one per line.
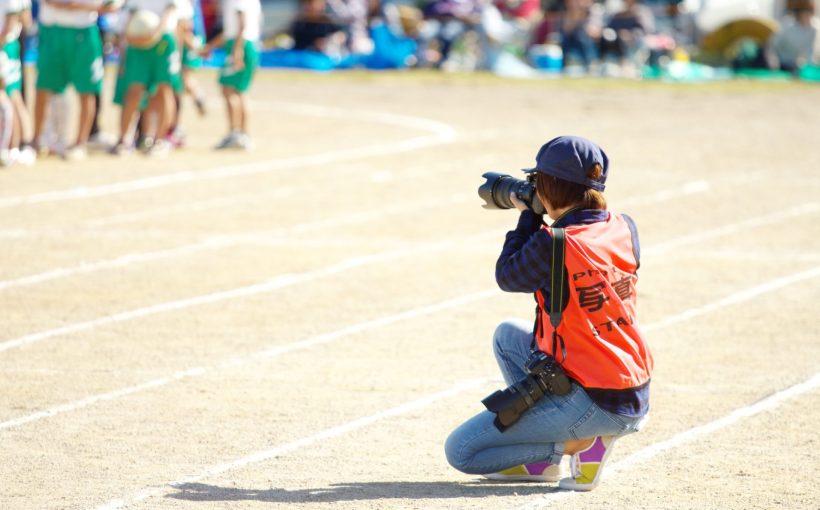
(592, 336)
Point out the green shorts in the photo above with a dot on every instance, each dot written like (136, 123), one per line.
(70, 56)
(239, 80)
(121, 87)
(152, 67)
(13, 74)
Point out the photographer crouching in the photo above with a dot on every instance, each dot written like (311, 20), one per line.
(579, 378)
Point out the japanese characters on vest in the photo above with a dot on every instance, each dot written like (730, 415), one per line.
(603, 346)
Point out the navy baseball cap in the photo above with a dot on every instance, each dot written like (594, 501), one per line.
(570, 158)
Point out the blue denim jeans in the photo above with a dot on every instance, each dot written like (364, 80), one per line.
(477, 447)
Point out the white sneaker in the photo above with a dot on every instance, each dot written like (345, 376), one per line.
(244, 141)
(160, 149)
(8, 157)
(76, 153)
(100, 141)
(27, 155)
(535, 472)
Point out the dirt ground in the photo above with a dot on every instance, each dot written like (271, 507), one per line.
(301, 326)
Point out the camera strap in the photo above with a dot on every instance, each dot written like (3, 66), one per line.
(557, 289)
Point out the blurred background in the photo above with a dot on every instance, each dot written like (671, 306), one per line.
(680, 40)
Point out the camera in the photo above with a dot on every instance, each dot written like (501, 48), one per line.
(496, 192)
(545, 376)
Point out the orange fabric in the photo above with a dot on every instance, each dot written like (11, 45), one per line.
(604, 347)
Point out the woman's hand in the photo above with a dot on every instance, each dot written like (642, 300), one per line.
(521, 206)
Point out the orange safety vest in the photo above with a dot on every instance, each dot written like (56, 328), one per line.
(602, 346)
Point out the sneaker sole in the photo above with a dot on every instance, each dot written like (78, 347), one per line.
(522, 478)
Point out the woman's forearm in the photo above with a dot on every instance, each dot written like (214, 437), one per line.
(523, 265)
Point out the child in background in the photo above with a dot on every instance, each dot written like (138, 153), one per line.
(150, 66)
(70, 53)
(16, 123)
(239, 38)
(189, 44)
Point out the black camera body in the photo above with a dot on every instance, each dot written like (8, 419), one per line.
(545, 376)
(498, 187)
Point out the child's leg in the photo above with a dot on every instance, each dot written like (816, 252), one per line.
(22, 115)
(166, 110)
(40, 110)
(6, 122)
(231, 107)
(88, 107)
(133, 97)
(243, 112)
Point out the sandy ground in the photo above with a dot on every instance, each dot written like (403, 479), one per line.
(302, 325)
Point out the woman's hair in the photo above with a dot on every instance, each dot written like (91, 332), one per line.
(560, 193)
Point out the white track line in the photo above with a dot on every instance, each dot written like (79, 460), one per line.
(324, 338)
(285, 280)
(740, 226)
(738, 297)
(767, 404)
(270, 285)
(303, 442)
(217, 242)
(439, 134)
(188, 207)
(732, 299)
(227, 240)
(263, 354)
(755, 256)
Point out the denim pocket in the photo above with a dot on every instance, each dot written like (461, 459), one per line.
(596, 422)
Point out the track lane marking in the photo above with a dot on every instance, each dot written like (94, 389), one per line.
(222, 241)
(439, 134)
(269, 285)
(687, 436)
(291, 279)
(269, 352)
(325, 338)
(303, 442)
(732, 299)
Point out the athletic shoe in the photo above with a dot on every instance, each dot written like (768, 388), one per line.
(587, 465)
(8, 157)
(159, 149)
(535, 472)
(120, 149)
(229, 142)
(27, 155)
(245, 142)
(144, 144)
(76, 153)
(100, 141)
(176, 138)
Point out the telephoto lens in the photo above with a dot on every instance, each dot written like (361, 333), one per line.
(497, 189)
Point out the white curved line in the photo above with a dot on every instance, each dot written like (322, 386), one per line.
(440, 134)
